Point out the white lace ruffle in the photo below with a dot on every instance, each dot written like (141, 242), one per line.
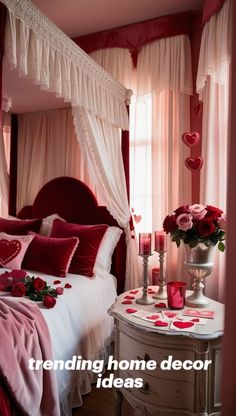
(215, 49)
(42, 51)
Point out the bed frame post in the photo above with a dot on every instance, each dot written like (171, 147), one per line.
(13, 166)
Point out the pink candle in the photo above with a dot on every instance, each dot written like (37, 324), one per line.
(145, 243)
(160, 241)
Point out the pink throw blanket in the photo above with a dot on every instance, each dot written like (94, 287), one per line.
(24, 334)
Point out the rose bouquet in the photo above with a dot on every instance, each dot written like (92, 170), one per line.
(36, 289)
(195, 224)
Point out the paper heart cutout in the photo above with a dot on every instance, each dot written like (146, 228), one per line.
(195, 320)
(153, 317)
(161, 323)
(131, 310)
(191, 139)
(9, 250)
(170, 314)
(127, 302)
(183, 325)
(151, 292)
(160, 305)
(129, 297)
(194, 163)
(134, 292)
(137, 218)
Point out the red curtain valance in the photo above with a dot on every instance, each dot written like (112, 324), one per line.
(211, 7)
(136, 35)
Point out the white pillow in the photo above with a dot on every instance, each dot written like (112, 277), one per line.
(47, 222)
(106, 249)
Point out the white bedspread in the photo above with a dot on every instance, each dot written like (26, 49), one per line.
(79, 325)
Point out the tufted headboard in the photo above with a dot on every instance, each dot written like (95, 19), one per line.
(75, 202)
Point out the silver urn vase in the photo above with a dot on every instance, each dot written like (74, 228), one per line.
(199, 263)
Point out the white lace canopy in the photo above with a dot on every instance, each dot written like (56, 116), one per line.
(51, 59)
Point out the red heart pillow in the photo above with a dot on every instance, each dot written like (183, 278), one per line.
(13, 249)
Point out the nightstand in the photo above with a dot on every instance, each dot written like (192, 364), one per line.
(171, 392)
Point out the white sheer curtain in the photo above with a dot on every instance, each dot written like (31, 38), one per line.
(4, 163)
(47, 148)
(101, 146)
(213, 87)
(159, 114)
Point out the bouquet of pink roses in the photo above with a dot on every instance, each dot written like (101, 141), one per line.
(195, 224)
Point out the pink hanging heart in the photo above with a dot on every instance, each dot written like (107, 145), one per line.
(161, 323)
(191, 139)
(194, 163)
(183, 325)
(137, 218)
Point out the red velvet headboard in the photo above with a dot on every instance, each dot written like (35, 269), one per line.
(74, 201)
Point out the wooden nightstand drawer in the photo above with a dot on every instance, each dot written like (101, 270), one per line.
(131, 349)
(161, 392)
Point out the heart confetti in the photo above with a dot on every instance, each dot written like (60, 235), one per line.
(182, 325)
(129, 297)
(134, 292)
(194, 163)
(152, 317)
(130, 310)
(191, 139)
(127, 302)
(161, 323)
(160, 305)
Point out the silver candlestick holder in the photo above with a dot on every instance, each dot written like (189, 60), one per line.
(145, 299)
(161, 292)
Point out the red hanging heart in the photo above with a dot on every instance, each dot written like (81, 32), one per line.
(161, 323)
(194, 163)
(9, 250)
(191, 139)
(183, 325)
(197, 109)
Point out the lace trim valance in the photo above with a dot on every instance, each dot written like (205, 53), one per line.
(39, 49)
(215, 48)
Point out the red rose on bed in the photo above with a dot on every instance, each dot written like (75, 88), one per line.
(18, 290)
(169, 224)
(39, 284)
(49, 301)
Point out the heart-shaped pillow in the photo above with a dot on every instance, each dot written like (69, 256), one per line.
(194, 163)
(191, 139)
(12, 249)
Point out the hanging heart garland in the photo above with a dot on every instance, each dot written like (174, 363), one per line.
(194, 163)
(191, 139)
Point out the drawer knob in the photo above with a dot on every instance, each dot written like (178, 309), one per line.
(146, 357)
(145, 389)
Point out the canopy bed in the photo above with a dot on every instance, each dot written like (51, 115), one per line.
(84, 328)
(36, 48)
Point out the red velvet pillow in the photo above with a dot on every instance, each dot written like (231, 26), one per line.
(19, 227)
(90, 237)
(50, 255)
